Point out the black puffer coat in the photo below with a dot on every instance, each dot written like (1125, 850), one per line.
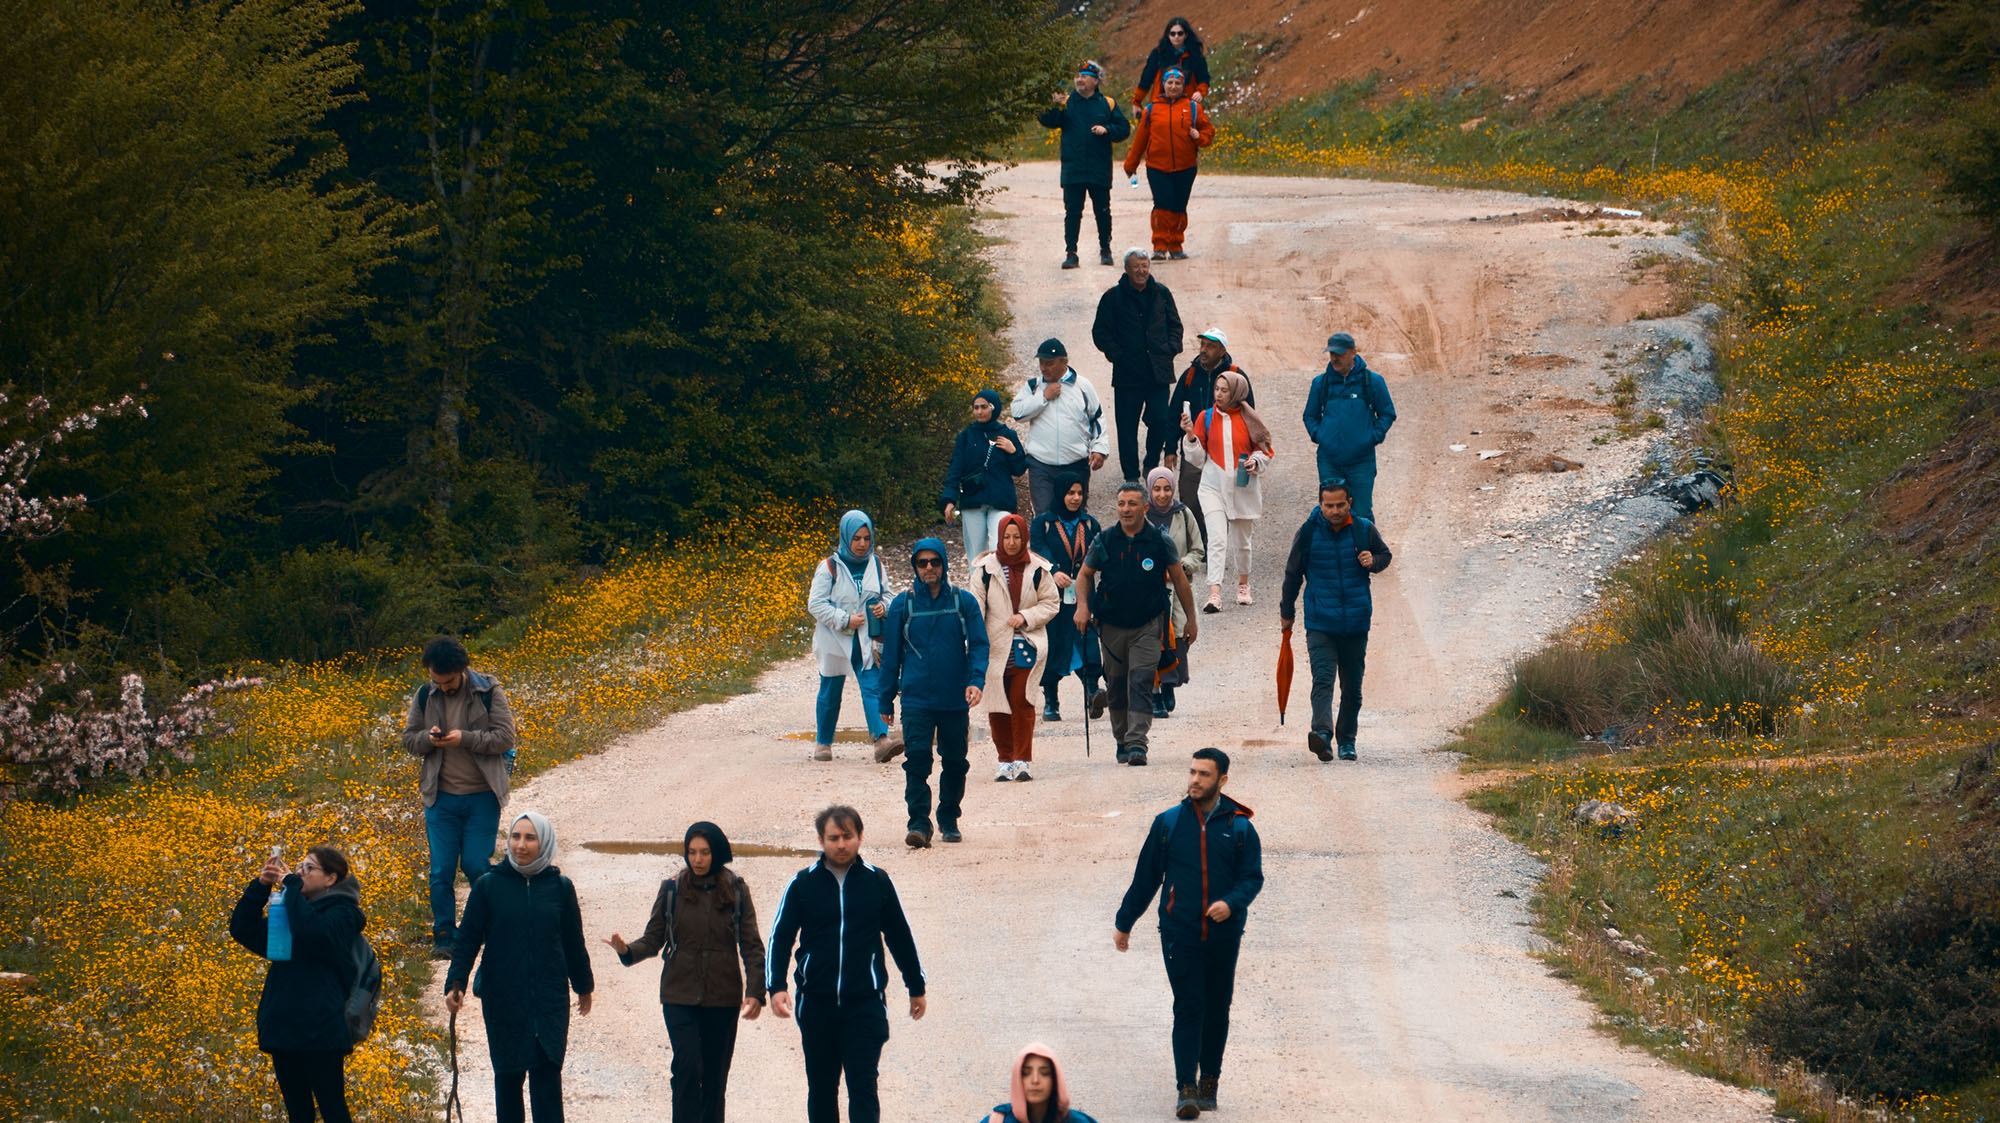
(304, 1005)
(535, 955)
(1139, 331)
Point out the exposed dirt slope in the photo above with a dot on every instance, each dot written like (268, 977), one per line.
(1557, 50)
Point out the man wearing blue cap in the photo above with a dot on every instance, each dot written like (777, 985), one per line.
(1091, 123)
(1348, 413)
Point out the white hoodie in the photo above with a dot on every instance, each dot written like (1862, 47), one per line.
(1066, 430)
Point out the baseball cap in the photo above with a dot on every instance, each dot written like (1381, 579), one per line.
(1215, 334)
(1052, 349)
(1339, 343)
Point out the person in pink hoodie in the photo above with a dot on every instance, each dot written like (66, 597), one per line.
(1040, 1094)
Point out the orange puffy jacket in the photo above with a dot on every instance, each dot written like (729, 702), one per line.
(1160, 136)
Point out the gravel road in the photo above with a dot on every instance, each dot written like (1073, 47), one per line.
(1388, 971)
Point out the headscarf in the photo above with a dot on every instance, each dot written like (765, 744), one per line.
(1014, 565)
(718, 843)
(545, 831)
(1239, 391)
(990, 427)
(1069, 524)
(1058, 1099)
(1162, 517)
(851, 522)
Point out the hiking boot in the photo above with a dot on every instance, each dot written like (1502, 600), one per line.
(1347, 750)
(950, 834)
(1070, 262)
(887, 748)
(1051, 713)
(1124, 755)
(1177, 255)
(822, 752)
(1188, 1107)
(917, 840)
(1320, 744)
(1204, 1094)
(1136, 757)
(1006, 772)
(1159, 706)
(1104, 257)
(1098, 702)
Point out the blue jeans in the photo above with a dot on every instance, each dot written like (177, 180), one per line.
(1360, 483)
(828, 709)
(982, 530)
(461, 829)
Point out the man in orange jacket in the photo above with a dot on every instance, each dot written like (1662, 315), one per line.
(1169, 135)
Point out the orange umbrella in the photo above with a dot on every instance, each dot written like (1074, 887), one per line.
(1284, 671)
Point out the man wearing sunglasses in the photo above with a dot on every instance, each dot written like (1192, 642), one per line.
(934, 654)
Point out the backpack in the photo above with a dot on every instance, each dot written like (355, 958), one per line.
(1114, 577)
(910, 613)
(1319, 394)
(364, 995)
(1173, 820)
(486, 696)
(671, 887)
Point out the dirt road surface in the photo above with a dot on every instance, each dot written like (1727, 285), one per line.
(1388, 970)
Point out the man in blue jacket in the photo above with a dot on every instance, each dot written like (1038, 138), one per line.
(1333, 555)
(1348, 413)
(1204, 859)
(934, 654)
(841, 910)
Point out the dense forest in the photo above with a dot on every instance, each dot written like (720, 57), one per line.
(421, 307)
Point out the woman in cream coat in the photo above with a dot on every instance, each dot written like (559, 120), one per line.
(849, 593)
(1231, 445)
(1016, 589)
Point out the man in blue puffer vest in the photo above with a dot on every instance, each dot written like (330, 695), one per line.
(934, 655)
(1205, 861)
(1333, 555)
(1348, 413)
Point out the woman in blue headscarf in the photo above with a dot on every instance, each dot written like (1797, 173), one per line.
(848, 599)
(979, 485)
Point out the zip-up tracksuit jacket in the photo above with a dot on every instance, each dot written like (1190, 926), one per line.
(840, 925)
(1193, 863)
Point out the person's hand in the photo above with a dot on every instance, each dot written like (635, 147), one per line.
(1284, 621)
(1098, 130)
(1064, 581)
(1193, 629)
(274, 870)
(972, 695)
(781, 1003)
(447, 740)
(916, 1007)
(617, 943)
(854, 621)
(1017, 621)
(1194, 133)
(1060, 97)
(1171, 461)
(454, 1000)
(950, 513)
(1004, 445)
(583, 1003)
(1082, 616)
(1366, 558)
(1218, 912)
(1121, 940)
(887, 720)
(1187, 424)
(1051, 390)
(752, 1008)
(880, 610)
(1197, 95)
(1096, 461)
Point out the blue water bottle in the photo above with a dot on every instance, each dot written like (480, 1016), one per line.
(277, 928)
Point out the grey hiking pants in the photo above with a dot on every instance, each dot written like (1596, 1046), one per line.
(1131, 659)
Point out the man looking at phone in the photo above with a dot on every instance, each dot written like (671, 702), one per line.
(462, 729)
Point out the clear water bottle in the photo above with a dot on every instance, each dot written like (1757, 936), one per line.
(277, 928)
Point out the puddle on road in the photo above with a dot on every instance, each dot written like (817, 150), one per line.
(737, 849)
(849, 736)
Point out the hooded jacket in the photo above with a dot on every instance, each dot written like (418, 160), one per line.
(840, 925)
(488, 734)
(1015, 1110)
(927, 657)
(1160, 136)
(1086, 156)
(977, 461)
(1347, 415)
(1066, 430)
(1325, 559)
(303, 1008)
(1192, 863)
(532, 932)
(1139, 330)
(708, 935)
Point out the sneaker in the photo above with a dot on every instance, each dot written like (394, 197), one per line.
(1104, 258)
(917, 840)
(1320, 744)
(950, 834)
(1098, 702)
(1347, 750)
(1124, 755)
(1177, 255)
(1187, 1107)
(1006, 772)
(1051, 713)
(1159, 706)
(822, 752)
(441, 949)
(1204, 1094)
(1136, 757)
(1214, 599)
(1159, 255)
(887, 748)
(1021, 773)
(1242, 594)
(1070, 262)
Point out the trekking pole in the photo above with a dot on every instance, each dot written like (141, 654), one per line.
(451, 1100)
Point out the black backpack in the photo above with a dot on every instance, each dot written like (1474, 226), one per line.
(364, 995)
(672, 887)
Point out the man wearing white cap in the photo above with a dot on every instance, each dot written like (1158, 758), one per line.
(1194, 393)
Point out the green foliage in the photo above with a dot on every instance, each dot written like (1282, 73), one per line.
(1570, 688)
(1969, 157)
(1943, 43)
(1703, 673)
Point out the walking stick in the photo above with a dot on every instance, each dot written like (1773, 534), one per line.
(451, 1100)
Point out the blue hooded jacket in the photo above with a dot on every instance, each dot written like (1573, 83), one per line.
(1348, 415)
(1326, 560)
(928, 657)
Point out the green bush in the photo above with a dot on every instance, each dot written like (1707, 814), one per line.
(1969, 157)
(1570, 687)
(1709, 673)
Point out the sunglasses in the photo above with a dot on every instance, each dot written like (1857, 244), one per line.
(927, 563)
(1176, 33)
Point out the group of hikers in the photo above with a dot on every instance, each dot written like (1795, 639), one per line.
(1045, 595)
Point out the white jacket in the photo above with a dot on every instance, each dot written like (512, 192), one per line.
(1219, 481)
(1065, 430)
(1040, 601)
(833, 600)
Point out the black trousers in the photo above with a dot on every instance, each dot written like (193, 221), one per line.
(1132, 404)
(1341, 656)
(306, 1077)
(544, 1094)
(1100, 204)
(1171, 189)
(842, 1037)
(1063, 641)
(1203, 976)
(950, 730)
(704, 1042)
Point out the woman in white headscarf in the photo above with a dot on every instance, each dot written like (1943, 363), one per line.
(1232, 446)
(524, 913)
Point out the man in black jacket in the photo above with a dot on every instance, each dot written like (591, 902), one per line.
(1138, 328)
(840, 910)
(1091, 123)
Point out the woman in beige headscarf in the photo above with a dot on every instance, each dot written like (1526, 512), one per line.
(1232, 446)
